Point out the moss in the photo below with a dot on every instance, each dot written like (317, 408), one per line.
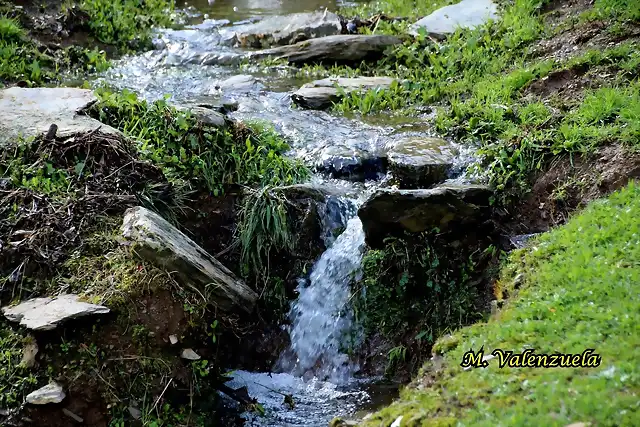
(576, 293)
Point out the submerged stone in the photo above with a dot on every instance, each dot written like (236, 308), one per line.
(321, 94)
(331, 49)
(43, 314)
(466, 14)
(421, 162)
(389, 212)
(30, 112)
(51, 393)
(283, 30)
(159, 242)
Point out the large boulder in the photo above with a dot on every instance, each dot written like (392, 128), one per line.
(321, 94)
(44, 314)
(466, 14)
(347, 49)
(391, 212)
(283, 30)
(30, 112)
(420, 162)
(156, 240)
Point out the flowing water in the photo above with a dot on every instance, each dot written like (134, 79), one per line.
(194, 66)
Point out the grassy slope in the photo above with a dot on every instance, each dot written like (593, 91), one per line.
(478, 79)
(578, 291)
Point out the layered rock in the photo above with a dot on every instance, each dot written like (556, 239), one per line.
(347, 49)
(283, 30)
(420, 162)
(321, 94)
(391, 212)
(44, 314)
(157, 241)
(51, 393)
(30, 112)
(466, 14)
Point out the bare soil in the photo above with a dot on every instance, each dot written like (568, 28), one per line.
(570, 183)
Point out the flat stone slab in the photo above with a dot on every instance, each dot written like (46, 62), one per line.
(44, 314)
(159, 242)
(388, 211)
(321, 94)
(466, 14)
(51, 393)
(331, 49)
(29, 112)
(283, 30)
(420, 162)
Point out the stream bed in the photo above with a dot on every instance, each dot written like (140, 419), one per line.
(193, 66)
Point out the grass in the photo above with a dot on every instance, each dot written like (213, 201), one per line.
(205, 157)
(573, 288)
(21, 60)
(127, 24)
(479, 78)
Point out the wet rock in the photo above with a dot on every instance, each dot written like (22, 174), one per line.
(51, 393)
(239, 83)
(391, 212)
(207, 116)
(345, 49)
(159, 242)
(339, 422)
(189, 354)
(135, 413)
(421, 162)
(321, 94)
(283, 30)
(43, 314)
(466, 14)
(351, 163)
(30, 112)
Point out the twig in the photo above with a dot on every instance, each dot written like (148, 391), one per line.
(162, 394)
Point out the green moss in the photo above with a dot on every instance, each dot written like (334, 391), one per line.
(417, 288)
(577, 292)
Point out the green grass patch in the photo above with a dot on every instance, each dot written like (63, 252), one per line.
(128, 23)
(204, 156)
(20, 59)
(577, 289)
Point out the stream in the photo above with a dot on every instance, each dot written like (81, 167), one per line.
(194, 67)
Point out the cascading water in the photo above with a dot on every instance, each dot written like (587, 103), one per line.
(317, 373)
(320, 316)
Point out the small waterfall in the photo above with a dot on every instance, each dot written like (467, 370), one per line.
(320, 317)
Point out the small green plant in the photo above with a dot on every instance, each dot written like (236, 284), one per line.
(127, 23)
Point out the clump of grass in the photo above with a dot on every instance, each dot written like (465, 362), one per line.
(16, 379)
(264, 229)
(20, 59)
(187, 150)
(127, 23)
(574, 289)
